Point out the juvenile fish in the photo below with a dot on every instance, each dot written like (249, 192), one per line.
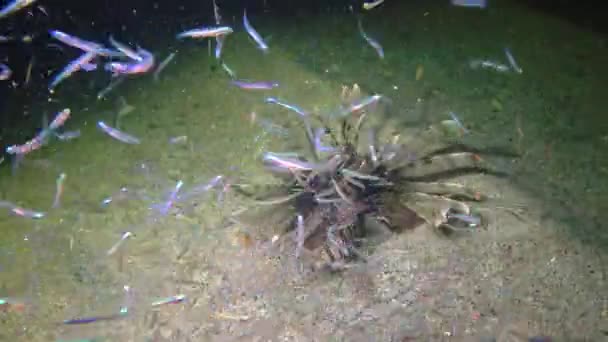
(260, 85)
(303, 116)
(182, 139)
(512, 61)
(23, 212)
(372, 42)
(72, 67)
(319, 133)
(219, 45)
(118, 135)
(84, 45)
(253, 33)
(60, 119)
(360, 105)
(14, 6)
(470, 220)
(113, 84)
(87, 320)
(163, 65)
(170, 300)
(12, 304)
(300, 237)
(470, 3)
(140, 66)
(41, 138)
(229, 71)
(119, 243)
(69, 135)
(219, 41)
(59, 189)
(172, 197)
(216, 13)
(31, 145)
(5, 72)
(458, 122)
(287, 163)
(74, 41)
(487, 64)
(273, 128)
(126, 50)
(293, 108)
(372, 4)
(206, 32)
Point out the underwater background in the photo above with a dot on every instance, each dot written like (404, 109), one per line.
(133, 232)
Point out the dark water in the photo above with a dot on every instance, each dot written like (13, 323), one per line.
(538, 267)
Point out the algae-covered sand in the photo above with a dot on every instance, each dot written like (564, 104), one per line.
(538, 266)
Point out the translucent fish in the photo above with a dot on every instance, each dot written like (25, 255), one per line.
(163, 65)
(273, 128)
(254, 34)
(368, 5)
(5, 72)
(261, 85)
(169, 300)
(205, 32)
(470, 3)
(116, 134)
(514, 65)
(372, 42)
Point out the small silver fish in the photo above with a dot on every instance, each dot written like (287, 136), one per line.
(206, 32)
(5, 72)
(470, 3)
(229, 71)
(14, 6)
(470, 220)
(262, 85)
(512, 61)
(458, 122)
(487, 64)
(372, 4)
(372, 42)
(163, 65)
(253, 33)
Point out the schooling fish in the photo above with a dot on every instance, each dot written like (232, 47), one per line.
(206, 32)
(74, 41)
(163, 65)
(20, 211)
(488, 64)
(59, 190)
(458, 122)
(68, 135)
(5, 72)
(42, 137)
(470, 3)
(87, 320)
(253, 33)
(83, 44)
(60, 119)
(118, 135)
(140, 66)
(14, 6)
(512, 61)
(372, 4)
(286, 163)
(126, 50)
(285, 105)
(169, 300)
(372, 42)
(263, 85)
(229, 71)
(74, 66)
